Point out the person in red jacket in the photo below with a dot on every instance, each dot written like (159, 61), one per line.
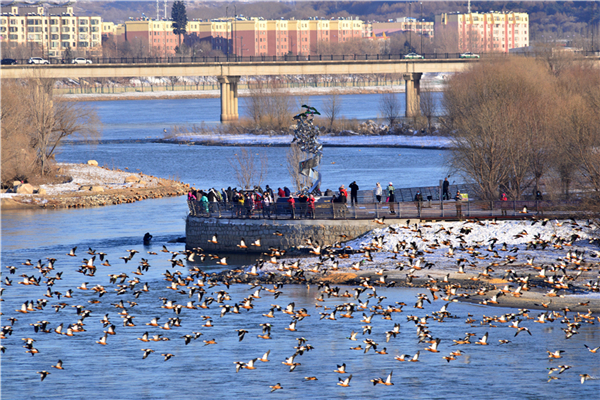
(292, 205)
(280, 192)
(343, 194)
(311, 206)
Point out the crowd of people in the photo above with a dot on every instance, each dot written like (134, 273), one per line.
(247, 203)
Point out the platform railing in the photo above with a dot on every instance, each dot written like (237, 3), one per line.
(447, 209)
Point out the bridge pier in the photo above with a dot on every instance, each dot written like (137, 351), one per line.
(229, 98)
(413, 94)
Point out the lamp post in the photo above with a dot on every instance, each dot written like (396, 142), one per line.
(227, 19)
(235, 26)
(410, 21)
(421, 27)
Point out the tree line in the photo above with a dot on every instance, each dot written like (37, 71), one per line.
(521, 125)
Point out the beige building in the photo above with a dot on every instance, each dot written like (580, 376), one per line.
(50, 31)
(402, 25)
(485, 32)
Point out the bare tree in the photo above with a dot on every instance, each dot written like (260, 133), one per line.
(34, 124)
(389, 107)
(269, 106)
(250, 168)
(492, 108)
(428, 104)
(332, 108)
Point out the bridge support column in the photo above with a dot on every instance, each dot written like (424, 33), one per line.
(229, 98)
(413, 94)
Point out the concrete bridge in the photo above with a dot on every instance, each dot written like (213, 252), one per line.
(229, 73)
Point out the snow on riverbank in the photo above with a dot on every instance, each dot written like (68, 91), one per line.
(432, 142)
(85, 175)
(435, 242)
(142, 90)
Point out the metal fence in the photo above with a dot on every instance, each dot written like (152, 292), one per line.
(330, 57)
(428, 209)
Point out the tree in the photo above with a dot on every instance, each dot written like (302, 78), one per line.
(250, 169)
(332, 108)
(68, 55)
(179, 17)
(427, 101)
(499, 111)
(389, 107)
(34, 124)
(268, 105)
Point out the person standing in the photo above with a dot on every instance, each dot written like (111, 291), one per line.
(343, 195)
(458, 198)
(204, 203)
(269, 190)
(267, 200)
(419, 201)
(378, 192)
(503, 204)
(292, 206)
(311, 206)
(391, 197)
(353, 193)
(446, 190)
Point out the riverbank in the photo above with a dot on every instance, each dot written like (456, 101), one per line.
(89, 185)
(149, 94)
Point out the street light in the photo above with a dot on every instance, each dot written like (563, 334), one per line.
(227, 19)
(235, 26)
(421, 27)
(410, 21)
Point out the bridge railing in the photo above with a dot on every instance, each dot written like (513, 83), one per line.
(397, 210)
(285, 58)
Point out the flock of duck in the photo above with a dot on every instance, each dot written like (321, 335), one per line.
(199, 299)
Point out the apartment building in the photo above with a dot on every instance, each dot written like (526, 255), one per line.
(345, 30)
(244, 37)
(402, 25)
(299, 36)
(51, 31)
(484, 32)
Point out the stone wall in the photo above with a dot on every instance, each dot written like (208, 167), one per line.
(294, 232)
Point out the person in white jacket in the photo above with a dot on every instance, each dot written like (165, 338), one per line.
(378, 192)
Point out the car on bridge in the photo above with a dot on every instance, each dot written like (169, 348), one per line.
(8, 61)
(469, 55)
(413, 56)
(37, 60)
(81, 60)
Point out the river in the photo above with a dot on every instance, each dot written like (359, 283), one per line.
(117, 370)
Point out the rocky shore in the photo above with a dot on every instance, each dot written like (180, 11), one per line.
(89, 185)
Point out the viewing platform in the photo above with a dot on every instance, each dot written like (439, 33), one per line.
(330, 223)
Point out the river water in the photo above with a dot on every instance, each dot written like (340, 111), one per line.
(117, 370)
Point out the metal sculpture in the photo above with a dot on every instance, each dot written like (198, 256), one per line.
(306, 135)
